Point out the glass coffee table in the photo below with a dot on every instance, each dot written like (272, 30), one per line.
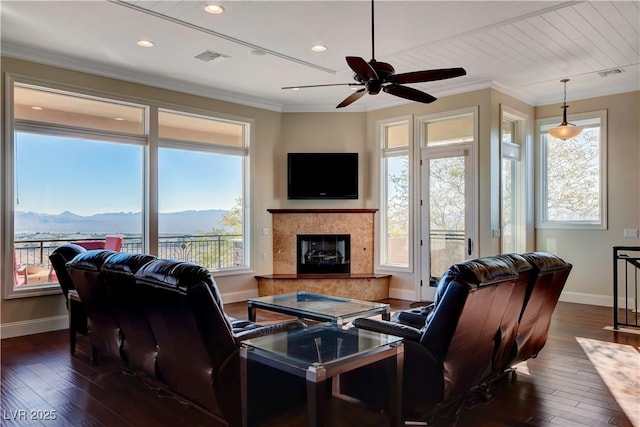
(323, 308)
(317, 354)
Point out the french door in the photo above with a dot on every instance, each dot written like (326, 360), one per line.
(448, 203)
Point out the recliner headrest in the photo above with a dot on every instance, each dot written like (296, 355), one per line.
(545, 262)
(90, 260)
(485, 271)
(122, 262)
(476, 273)
(519, 262)
(67, 251)
(178, 275)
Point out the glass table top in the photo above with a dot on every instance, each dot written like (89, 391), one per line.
(312, 304)
(321, 344)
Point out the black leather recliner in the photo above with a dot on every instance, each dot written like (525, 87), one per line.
(165, 320)
(138, 345)
(198, 352)
(452, 353)
(77, 312)
(104, 330)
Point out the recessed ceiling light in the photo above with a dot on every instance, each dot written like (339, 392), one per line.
(318, 48)
(35, 107)
(214, 9)
(145, 43)
(295, 88)
(118, 118)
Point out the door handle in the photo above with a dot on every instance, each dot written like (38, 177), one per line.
(469, 246)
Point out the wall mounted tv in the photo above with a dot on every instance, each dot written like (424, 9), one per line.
(322, 175)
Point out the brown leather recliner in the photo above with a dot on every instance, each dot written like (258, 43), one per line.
(452, 353)
(505, 344)
(198, 352)
(543, 293)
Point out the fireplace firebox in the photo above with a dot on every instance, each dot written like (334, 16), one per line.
(324, 253)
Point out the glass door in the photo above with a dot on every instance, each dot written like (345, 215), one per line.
(448, 205)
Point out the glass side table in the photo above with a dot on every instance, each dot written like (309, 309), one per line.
(319, 353)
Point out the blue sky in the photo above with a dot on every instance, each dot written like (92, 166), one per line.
(57, 174)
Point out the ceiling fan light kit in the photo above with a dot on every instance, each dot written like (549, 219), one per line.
(565, 130)
(378, 76)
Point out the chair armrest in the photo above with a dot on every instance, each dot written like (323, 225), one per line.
(411, 318)
(387, 327)
(269, 329)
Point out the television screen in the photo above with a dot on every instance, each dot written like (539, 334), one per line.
(322, 175)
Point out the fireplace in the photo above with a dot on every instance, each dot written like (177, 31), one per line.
(323, 253)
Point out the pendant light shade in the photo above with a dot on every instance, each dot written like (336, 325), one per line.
(565, 130)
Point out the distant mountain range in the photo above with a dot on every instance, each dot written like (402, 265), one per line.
(184, 222)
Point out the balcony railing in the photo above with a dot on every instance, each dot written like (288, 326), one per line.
(215, 252)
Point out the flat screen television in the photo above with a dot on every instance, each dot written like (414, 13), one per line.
(322, 175)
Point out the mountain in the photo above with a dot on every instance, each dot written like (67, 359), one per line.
(184, 222)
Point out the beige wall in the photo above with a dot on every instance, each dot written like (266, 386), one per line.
(590, 251)
(275, 134)
(322, 132)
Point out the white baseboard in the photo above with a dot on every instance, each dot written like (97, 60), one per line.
(403, 294)
(239, 296)
(594, 299)
(36, 326)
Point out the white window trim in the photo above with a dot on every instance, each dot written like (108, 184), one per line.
(245, 151)
(541, 219)
(381, 230)
(149, 138)
(524, 204)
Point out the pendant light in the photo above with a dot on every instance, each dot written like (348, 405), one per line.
(565, 130)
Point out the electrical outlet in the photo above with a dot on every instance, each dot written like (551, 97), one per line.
(631, 232)
(495, 233)
(265, 256)
(265, 231)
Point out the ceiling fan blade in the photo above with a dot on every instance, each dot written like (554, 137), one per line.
(352, 98)
(325, 85)
(361, 67)
(409, 93)
(427, 75)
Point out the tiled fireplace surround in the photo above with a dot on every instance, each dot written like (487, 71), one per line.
(361, 283)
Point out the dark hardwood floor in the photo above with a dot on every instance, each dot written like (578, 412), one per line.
(585, 376)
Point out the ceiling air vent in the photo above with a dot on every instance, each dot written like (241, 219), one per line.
(210, 56)
(608, 73)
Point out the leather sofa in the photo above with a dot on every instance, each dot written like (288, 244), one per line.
(165, 321)
(487, 314)
(77, 313)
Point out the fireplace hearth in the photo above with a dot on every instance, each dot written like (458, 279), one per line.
(323, 253)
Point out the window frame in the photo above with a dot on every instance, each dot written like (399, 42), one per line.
(244, 152)
(542, 221)
(148, 139)
(385, 153)
(7, 179)
(520, 182)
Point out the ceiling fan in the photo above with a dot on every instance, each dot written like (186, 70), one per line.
(375, 76)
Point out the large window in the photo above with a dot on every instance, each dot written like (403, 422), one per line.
(512, 181)
(201, 163)
(83, 167)
(572, 186)
(396, 193)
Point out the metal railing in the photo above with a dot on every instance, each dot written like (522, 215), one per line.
(626, 276)
(214, 252)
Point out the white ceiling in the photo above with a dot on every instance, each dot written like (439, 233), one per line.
(522, 48)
